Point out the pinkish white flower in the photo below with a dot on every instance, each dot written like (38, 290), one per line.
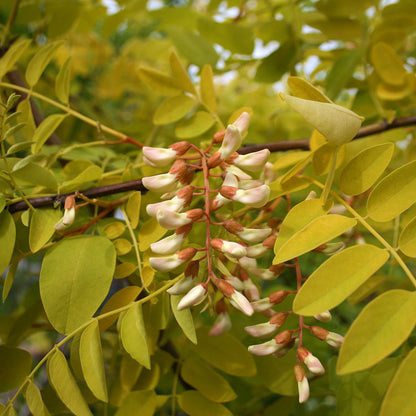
(323, 316)
(247, 263)
(251, 290)
(172, 220)
(254, 197)
(272, 346)
(303, 385)
(240, 302)
(257, 251)
(158, 157)
(273, 299)
(193, 297)
(263, 274)
(235, 282)
(234, 170)
(160, 183)
(261, 330)
(182, 286)
(168, 245)
(232, 141)
(268, 174)
(311, 195)
(167, 263)
(254, 235)
(221, 325)
(333, 248)
(242, 123)
(230, 248)
(313, 363)
(253, 162)
(173, 205)
(334, 340)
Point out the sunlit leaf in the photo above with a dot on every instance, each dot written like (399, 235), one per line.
(207, 89)
(159, 82)
(173, 109)
(62, 81)
(179, 72)
(194, 126)
(303, 89)
(183, 318)
(42, 228)
(34, 400)
(45, 129)
(12, 55)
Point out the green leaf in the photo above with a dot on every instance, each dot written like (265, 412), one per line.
(45, 129)
(393, 194)
(207, 381)
(75, 278)
(12, 130)
(32, 173)
(18, 147)
(226, 353)
(180, 74)
(338, 124)
(400, 399)
(193, 47)
(62, 81)
(297, 218)
(11, 273)
(42, 228)
(12, 55)
(183, 318)
(319, 231)
(63, 382)
(207, 89)
(363, 170)
(173, 109)
(133, 208)
(382, 326)
(159, 82)
(342, 71)
(142, 401)
(15, 365)
(91, 356)
(338, 277)
(194, 403)
(303, 89)
(114, 229)
(194, 126)
(39, 62)
(407, 239)
(7, 239)
(150, 232)
(34, 400)
(133, 335)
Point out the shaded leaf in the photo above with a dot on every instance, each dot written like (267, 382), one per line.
(12, 55)
(75, 278)
(338, 277)
(179, 73)
(144, 401)
(42, 228)
(150, 232)
(15, 365)
(62, 81)
(194, 403)
(159, 82)
(45, 129)
(183, 318)
(30, 172)
(407, 239)
(382, 326)
(34, 400)
(7, 239)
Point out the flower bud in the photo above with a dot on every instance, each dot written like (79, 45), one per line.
(238, 300)
(272, 346)
(221, 325)
(242, 123)
(254, 197)
(158, 157)
(239, 173)
(218, 137)
(160, 183)
(273, 299)
(247, 263)
(253, 162)
(179, 169)
(180, 147)
(168, 245)
(257, 251)
(173, 205)
(230, 248)
(323, 316)
(269, 174)
(303, 385)
(331, 338)
(193, 297)
(182, 286)
(69, 214)
(235, 282)
(231, 142)
(164, 264)
(313, 364)
(261, 330)
(251, 291)
(172, 220)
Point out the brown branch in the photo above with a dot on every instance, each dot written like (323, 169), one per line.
(137, 185)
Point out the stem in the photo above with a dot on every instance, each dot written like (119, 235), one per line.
(360, 219)
(10, 21)
(329, 178)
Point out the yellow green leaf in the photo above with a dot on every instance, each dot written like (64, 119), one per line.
(159, 82)
(180, 74)
(129, 371)
(363, 170)
(173, 109)
(278, 188)
(193, 403)
(91, 356)
(45, 129)
(124, 270)
(133, 335)
(394, 194)
(150, 232)
(407, 239)
(133, 208)
(323, 156)
(90, 174)
(381, 327)
(183, 318)
(207, 88)
(12, 55)
(62, 81)
(338, 124)
(7, 239)
(114, 229)
(30, 172)
(338, 277)
(194, 126)
(303, 89)
(63, 382)
(400, 399)
(42, 228)
(388, 64)
(319, 231)
(34, 400)
(11, 273)
(299, 166)
(39, 62)
(207, 381)
(393, 93)
(121, 298)
(141, 402)
(226, 353)
(297, 218)
(75, 278)
(123, 246)
(368, 288)
(15, 365)
(289, 159)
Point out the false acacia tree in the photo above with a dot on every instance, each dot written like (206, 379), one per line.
(170, 241)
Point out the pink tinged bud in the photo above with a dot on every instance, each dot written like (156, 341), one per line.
(253, 162)
(159, 157)
(323, 316)
(266, 348)
(256, 251)
(218, 137)
(247, 263)
(254, 197)
(261, 330)
(238, 173)
(254, 235)
(313, 364)
(240, 302)
(165, 264)
(230, 248)
(69, 214)
(221, 325)
(268, 174)
(261, 305)
(263, 274)
(334, 340)
(180, 147)
(235, 282)
(185, 194)
(193, 297)
(168, 245)
(303, 385)
(160, 183)
(231, 142)
(172, 220)
(230, 180)
(250, 290)
(182, 286)
(242, 123)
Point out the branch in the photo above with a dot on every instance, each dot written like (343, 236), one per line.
(137, 185)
